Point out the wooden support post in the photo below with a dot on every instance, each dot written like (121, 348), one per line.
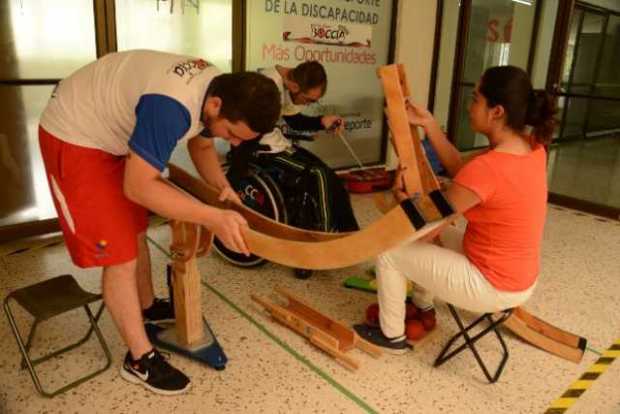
(429, 180)
(186, 282)
(401, 132)
(415, 176)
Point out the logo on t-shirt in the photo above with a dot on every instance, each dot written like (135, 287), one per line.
(189, 69)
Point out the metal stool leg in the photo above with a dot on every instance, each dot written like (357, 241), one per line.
(469, 342)
(22, 347)
(29, 363)
(65, 349)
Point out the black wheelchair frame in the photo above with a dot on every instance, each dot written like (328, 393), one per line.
(275, 193)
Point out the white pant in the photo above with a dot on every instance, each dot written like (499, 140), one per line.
(442, 271)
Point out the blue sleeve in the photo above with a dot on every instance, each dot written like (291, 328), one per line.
(161, 122)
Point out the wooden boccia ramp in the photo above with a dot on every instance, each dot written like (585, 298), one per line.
(424, 212)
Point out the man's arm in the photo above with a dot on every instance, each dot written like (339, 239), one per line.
(204, 156)
(300, 122)
(144, 185)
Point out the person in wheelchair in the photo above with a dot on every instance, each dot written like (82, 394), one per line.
(313, 196)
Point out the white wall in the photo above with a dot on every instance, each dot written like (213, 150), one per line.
(415, 33)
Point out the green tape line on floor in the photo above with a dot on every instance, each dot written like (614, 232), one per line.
(291, 351)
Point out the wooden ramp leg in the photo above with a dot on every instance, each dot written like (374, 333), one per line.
(522, 330)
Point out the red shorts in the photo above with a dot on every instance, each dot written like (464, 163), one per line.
(99, 223)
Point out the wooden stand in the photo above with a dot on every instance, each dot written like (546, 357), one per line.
(186, 282)
(191, 335)
(331, 336)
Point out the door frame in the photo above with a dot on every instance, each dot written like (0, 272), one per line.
(462, 41)
(554, 76)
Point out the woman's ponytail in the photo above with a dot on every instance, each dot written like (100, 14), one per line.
(541, 110)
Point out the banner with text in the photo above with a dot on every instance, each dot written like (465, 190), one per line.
(351, 39)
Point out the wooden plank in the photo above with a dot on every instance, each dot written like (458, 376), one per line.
(549, 330)
(384, 234)
(371, 349)
(340, 357)
(399, 125)
(187, 303)
(342, 333)
(296, 323)
(186, 283)
(206, 241)
(427, 175)
(520, 329)
(209, 194)
(302, 249)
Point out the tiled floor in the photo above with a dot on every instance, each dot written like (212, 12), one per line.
(273, 370)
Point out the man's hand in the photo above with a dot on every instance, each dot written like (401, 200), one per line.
(228, 194)
(228, 226)
(333, 122)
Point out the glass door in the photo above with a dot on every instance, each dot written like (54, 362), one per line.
(201, 28)
(580, 70)
(493, 33)
(37, 50)
(584, 161)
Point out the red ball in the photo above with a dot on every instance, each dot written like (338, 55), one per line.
(412, 312)
(415, 330)
(428, 319)
(372, 314)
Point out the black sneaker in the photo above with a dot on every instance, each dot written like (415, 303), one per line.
(155, 374)
(160, 311)
(374, 335)
(303, 273)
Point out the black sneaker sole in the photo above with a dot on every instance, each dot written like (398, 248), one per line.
(394, 351)
(129, 377)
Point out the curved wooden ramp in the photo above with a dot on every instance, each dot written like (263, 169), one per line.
(304, 249)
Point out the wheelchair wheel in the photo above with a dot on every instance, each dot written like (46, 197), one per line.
(259, 192)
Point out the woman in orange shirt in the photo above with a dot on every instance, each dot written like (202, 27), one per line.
(502, 193)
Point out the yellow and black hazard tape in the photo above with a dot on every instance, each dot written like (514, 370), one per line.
(586, 380)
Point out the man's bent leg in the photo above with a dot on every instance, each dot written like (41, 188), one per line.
(120, 294)
(144, 276)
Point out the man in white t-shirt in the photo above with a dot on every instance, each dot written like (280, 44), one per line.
(106, 135)
(299, 87)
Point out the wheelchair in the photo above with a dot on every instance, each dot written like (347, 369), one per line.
(276, 193)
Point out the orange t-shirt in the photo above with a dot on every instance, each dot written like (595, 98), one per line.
(504, 232)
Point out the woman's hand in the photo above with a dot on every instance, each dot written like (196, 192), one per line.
(419, 115)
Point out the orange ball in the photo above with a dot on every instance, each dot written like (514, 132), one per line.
(372, 314)
(415, 330)
(428, 320)
(411, 312)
